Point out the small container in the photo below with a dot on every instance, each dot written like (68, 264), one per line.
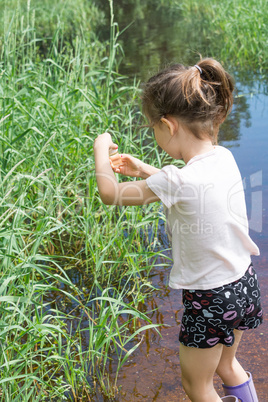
(113, 152)
(115, 157)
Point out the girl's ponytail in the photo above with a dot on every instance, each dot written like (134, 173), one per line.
(219, 83)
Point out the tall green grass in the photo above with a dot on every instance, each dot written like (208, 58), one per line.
(57, 333)
(235, 31)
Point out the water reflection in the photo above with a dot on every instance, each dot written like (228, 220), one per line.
(158, 35)
(230, 129)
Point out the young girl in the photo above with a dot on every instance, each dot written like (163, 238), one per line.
(207, 219)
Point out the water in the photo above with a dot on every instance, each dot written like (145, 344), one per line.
(152, 373)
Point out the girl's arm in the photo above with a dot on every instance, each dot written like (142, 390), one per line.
(112, 192)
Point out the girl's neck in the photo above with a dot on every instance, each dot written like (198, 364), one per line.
(197, 149)
(191, 145)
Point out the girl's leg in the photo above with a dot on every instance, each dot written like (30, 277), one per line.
(197, 369)
(236, 381)
(229, 369)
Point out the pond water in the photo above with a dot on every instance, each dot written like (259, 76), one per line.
(152, 373)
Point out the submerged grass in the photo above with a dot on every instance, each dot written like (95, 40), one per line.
(56, 95)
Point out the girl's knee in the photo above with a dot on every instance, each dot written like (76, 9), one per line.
(198, 391)
(188, 387)
(225, 367)
(223, 370)
(231, 372)
(186, 384)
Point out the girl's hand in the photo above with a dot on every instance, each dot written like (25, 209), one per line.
(105, 142)
(128, 165)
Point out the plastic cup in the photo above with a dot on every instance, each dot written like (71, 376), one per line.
(115, 157)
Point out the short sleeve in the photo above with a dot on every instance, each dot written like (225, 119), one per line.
(166, 184)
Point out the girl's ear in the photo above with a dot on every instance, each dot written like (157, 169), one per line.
(171, 123)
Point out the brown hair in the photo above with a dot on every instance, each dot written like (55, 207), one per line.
(200, 94)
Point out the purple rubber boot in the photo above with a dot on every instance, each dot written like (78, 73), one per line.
(245, 392)
(229, 398)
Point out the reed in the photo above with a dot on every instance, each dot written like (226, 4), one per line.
(73, 271)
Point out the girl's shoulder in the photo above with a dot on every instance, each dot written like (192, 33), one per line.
(219, 157)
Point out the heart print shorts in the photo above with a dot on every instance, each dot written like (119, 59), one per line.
(210, 316)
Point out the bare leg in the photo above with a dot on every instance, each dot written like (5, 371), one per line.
(229, 369)
(198, 367)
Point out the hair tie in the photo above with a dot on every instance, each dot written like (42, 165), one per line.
(198, 68)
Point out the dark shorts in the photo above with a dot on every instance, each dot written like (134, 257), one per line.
(210, 316)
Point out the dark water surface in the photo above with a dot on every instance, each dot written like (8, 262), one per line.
(152, 373)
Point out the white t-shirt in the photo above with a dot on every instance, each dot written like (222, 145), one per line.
(207, 220)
